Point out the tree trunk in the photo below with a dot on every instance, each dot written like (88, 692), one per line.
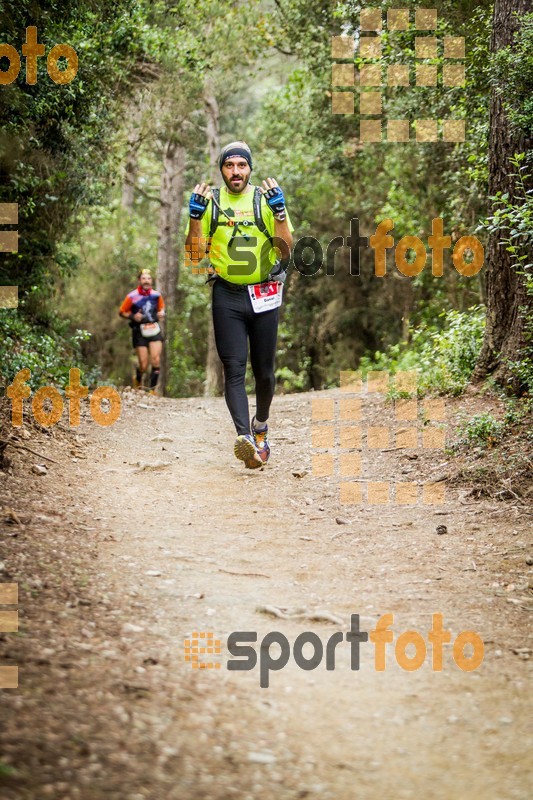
(505, 288)
(171, 194)
(214, 373)
(130, 166)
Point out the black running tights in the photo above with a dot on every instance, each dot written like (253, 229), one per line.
(235, 324)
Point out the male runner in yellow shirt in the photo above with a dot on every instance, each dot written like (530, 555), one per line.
(249, 222)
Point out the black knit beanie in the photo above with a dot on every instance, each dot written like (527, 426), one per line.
(234, 149)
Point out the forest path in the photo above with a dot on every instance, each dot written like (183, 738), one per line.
(201, 544)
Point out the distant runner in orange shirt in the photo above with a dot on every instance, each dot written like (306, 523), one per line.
(143, 307)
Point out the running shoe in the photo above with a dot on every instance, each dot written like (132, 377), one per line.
(246, 451)
(261, 442)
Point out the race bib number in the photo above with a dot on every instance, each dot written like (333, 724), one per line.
(150, 329)
(265, 296)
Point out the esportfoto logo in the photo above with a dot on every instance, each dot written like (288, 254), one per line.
(274, 649)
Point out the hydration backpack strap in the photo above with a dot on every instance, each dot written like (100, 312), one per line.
(259, 221)
(214, 218)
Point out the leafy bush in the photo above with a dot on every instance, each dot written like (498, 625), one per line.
(482, 429)
(46, 353)
(445, 358)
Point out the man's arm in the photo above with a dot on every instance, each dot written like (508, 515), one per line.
(126, 312)
(196, 242)
(276, 202)
(282, 230)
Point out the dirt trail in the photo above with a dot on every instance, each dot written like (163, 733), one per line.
(221, 542)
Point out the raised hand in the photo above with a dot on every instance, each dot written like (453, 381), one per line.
(199, 200)
(274, 197)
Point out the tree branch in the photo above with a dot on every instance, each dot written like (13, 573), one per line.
(149, 196)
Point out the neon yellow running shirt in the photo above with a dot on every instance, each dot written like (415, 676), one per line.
(243, 261)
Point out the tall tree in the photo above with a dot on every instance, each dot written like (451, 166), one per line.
(171, 194)
(135, 116)
(214, 372)
(508, 303)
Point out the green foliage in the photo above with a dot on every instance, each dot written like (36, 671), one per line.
(62, 153)
(48, 355)
(513, 217)
(6, 771)
(187, 342)
(56, 140)
(113, 247)
(481, 429)
(444, 357)
(290, 381)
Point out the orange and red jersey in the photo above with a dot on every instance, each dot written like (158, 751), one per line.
(146, 300)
